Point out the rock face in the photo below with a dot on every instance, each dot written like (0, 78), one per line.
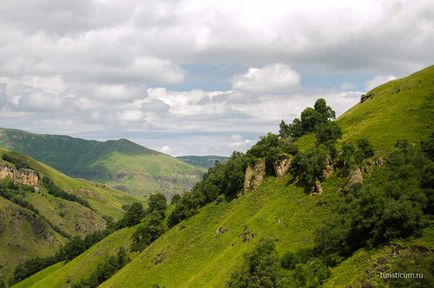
(282, 166)
(329, 169)
(21, 176)
(365, 97)
(355, 177)
(254, 176)
(316, 188)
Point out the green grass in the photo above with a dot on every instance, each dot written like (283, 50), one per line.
(62, 275)
(194, 254)
(24, 235)
(104, 200)
(121, 163)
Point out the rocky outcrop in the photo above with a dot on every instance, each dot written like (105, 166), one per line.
(329, 169)
(355, 177)
(254, 176)
(281, 166)
(21, 176)
(365, 97)
(316, 188)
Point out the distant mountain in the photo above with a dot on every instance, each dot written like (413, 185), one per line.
(203, 161)
(121, 164)
(34, 222)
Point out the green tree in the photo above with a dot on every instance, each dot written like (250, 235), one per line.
(133, 216)
(326, 111)
(328, 134)
(157, 203)
(261, 269)
(310, 119)
(284, 130)
(147, 232)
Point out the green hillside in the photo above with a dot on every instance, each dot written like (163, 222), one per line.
(26, 234)
(206, 249)
(203, 161)
(121, 164)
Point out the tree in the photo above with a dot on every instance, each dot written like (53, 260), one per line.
(326, 111)
(308, 167)
(147, 232)
(284, 130)
(262, 269)
(157, 203)
(328, 133)
(133, 216)
(296, 128)
(310, 119)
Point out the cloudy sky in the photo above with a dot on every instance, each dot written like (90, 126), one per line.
(197, 77)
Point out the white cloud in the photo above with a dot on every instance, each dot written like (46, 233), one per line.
(237, 142)
(269, 79)
(166, 149)
(144, 66)
(378, 80)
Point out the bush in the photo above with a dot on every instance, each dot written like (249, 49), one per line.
(309, 167)
(54, 190)
(147, 232)
(133, 215)
(261, 269)
(290, 260)
(19, 164)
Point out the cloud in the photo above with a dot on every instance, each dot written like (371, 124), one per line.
(269, 79)
(237, 142)
(166, 149)
(378, 80)
(105, 68)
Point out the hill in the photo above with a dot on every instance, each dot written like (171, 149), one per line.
(121, 164)
(203, 161)
(204, 250)
(34, 222)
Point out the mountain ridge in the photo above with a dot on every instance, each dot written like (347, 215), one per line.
(121, 163)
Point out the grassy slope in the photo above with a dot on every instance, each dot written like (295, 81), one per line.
(195, 255)
(121, 163)
(106, 201)
(23, 235)
(21, 229)
(60, 274)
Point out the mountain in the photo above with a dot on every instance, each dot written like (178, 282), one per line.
(34, 222)
(206, 249)
(121, 164)
(203, 161)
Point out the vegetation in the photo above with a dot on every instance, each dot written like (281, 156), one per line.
(54, 190)
(391, 206)
(152, 226)
(105, 270)
(310, 120)
(19, 163)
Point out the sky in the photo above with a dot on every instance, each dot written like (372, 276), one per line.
(198, 77)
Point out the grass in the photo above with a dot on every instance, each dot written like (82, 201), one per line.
(65, 274)
(24, 235)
